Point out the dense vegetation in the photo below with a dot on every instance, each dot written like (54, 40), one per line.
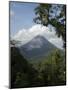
(22, 73)
(52, 14)
(45, 73)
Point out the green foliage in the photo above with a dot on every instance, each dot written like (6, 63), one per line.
(49, 71)
(47, 14)
(52, 69)
(22, 73)
(55, 69)
(42, 12)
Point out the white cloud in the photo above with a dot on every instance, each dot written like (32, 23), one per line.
(57, 42)
(50, 34)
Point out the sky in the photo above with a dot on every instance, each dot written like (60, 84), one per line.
(21, 16)
(23, 28)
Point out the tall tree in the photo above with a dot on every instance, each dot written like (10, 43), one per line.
(54, 15)
(53, 71)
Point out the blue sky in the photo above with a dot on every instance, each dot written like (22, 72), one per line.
(21, 16)
(23, 28)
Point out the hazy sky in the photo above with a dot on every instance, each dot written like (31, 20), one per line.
(21, 16)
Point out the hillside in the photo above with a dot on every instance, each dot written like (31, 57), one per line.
(22, 73)
(37, 47)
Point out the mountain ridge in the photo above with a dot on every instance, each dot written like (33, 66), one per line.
(37, 47)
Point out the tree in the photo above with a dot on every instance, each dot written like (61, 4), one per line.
(22, 72)
(60, 68)
(54, 15)
(14, 42)
(53, 71)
